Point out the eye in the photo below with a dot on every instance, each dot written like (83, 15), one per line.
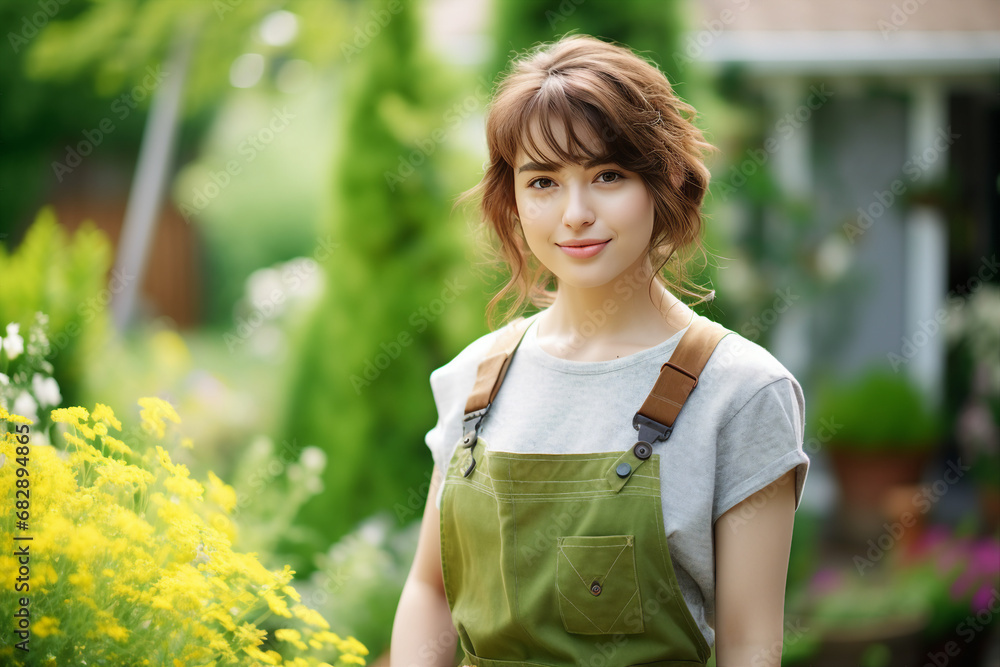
(539, 180)
(610, 173)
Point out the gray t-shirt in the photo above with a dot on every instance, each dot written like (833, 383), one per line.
(740, 429)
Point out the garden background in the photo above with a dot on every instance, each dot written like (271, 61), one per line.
(245, 209)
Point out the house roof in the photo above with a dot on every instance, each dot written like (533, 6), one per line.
(854, 36)
(851, 15)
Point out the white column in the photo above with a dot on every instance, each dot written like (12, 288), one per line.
(792, 170)
(926, 250)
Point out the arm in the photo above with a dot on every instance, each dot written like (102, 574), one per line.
(423, 634)
(752, 544)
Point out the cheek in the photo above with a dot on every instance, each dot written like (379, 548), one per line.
(639, 210)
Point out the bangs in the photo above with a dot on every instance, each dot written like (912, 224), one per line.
(549, 106)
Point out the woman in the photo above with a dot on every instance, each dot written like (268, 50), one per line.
(592, 503)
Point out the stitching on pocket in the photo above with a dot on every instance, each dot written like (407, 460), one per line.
(580, 610)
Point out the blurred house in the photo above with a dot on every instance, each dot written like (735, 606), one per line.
(885, 116)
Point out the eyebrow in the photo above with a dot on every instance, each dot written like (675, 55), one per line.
(549, 166)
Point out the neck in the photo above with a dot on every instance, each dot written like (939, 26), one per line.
(633, 310)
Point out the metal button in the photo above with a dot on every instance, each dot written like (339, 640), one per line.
(595, 588)
(642, 450)
(623, 469)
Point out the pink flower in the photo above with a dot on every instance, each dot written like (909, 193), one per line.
(981, 600)
(826, 580)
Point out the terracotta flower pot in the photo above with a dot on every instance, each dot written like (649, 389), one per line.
(865, 478)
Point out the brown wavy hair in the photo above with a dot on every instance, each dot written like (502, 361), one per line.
(644, 127)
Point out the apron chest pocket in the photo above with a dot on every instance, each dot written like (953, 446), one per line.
(597, 585)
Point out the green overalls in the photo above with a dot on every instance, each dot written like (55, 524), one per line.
(562, 559)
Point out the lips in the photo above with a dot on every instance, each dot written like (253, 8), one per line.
(578, 243)
(583, 248)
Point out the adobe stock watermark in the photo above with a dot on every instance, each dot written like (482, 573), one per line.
(415, 500)
(543, 540)
(30, 26)
(249, 148)
(91, 308)
(967, 629)
(426, 146)
(696, 44)
(793, 632)
(419, 319)
(121, 107)
(370, 29)
(927, 329)
(898, 17)
(294, 275)
(259, 480)
(828, 429)
(753, 504)
(565, 9)
(784, 129)
(923, 500)
(913, 169)
(758, 324)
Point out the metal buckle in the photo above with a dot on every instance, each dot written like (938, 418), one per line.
(470, 431)
(470, 435)
(650, 430)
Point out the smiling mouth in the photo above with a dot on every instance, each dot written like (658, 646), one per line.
(583, 244)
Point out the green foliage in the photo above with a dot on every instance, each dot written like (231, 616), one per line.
(64, 277)
(396, 303)
(879, 410)
(652, 28)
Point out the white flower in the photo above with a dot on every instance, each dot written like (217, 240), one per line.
(313, 458)
(13, 343)
(46, 390)
(4, 380)
(25, 406)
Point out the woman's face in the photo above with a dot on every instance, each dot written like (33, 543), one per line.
(604, 206)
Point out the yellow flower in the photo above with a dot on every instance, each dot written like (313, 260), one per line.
(87, 432)
(154, 410)
(187, 443)
(293, 637)
(74, 415)
(126, 554)
(292, 593)
(180, 484)
(16, 419)
(104, 413)
(270, 658)
(45, 626)
(221, 493)
(115, 445)
(354, 646)
(248, 633)
(310, 617)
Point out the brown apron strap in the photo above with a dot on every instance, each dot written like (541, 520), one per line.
(654, 420)
(493, 367)
(489, 377)
(678, 378)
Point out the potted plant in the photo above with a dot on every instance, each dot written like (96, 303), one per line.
(886, 432)
(849, 618)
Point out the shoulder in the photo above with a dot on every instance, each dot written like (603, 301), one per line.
(740, 370)
(461, 370)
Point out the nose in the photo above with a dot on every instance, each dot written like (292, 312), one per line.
(579, 210)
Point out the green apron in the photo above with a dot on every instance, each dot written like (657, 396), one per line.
(562, 559)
